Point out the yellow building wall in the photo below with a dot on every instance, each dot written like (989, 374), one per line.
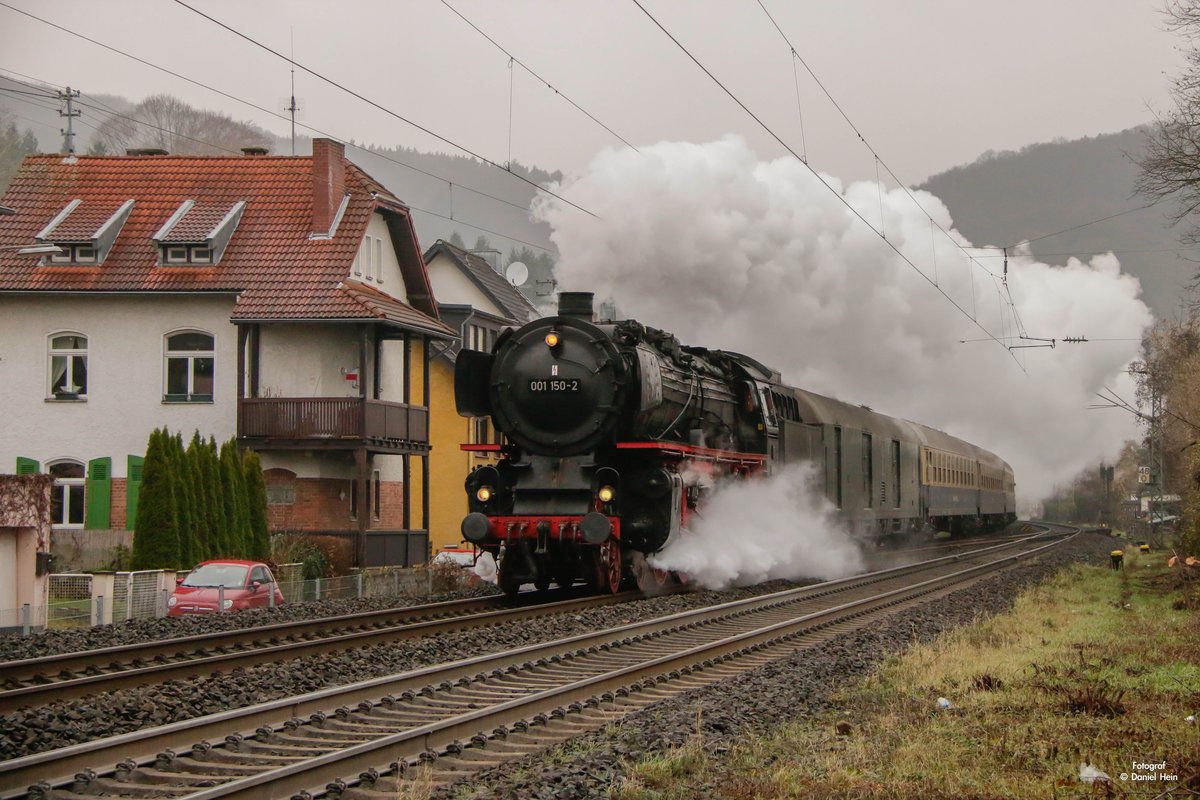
(416, 396)
(449, 464)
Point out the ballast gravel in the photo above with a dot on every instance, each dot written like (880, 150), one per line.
(64, 723)
(47, 643)
(754, 702)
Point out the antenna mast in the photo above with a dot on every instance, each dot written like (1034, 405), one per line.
(292, 107)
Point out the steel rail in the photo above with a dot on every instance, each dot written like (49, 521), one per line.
(143, 746)
(364, 629)
(298, 778)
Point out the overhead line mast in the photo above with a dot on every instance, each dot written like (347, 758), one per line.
(68, 98)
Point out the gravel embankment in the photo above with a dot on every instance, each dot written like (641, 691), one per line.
(74, 640)
(753, 703)
(70, 722)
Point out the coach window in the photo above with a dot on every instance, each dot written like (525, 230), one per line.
(896, 469)
(837, 463)
(868, 477)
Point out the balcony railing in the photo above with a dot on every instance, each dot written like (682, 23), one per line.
(350, 420)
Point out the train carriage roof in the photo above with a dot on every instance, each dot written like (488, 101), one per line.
(821, 410)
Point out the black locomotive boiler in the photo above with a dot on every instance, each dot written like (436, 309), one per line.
(614, 432)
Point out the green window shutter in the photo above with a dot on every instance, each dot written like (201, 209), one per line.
(98, 499)
(26, 466)
(133, 488)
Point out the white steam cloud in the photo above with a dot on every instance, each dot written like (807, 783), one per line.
(757, 530)
(727, 251)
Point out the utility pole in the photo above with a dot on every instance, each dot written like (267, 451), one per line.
(68, 97)
(1156, 455)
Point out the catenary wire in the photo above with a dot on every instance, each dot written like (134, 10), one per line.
(112, 112)
(528, 69)
(459, 220)
(818, 176)
(247, 103)
(878, 159)
(379, 106)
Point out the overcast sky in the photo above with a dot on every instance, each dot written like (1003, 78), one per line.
(930, 83)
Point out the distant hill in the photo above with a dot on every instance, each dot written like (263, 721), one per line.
(1003, 198)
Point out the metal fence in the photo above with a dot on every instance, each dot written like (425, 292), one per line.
(83, 600)
(141, 595)
(69, 601)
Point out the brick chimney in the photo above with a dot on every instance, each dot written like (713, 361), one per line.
(329, 182)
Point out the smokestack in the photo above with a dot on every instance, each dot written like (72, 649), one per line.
(329, 182)
(576, 304)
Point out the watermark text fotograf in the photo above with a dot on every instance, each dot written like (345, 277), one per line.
(1146, 771)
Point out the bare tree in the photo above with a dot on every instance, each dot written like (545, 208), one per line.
(169, 123)
(1171, 163)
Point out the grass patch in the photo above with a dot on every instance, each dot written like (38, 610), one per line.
(1092, 666)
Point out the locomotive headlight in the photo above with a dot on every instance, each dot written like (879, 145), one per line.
(484, 494)
(552, 339)
(606, 494)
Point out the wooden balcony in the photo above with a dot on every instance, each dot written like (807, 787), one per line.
(333, 423)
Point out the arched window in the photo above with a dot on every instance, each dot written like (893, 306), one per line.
(68, 366)
(66, 497)
(189, 367)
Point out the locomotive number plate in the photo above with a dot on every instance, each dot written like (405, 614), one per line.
(554, 386)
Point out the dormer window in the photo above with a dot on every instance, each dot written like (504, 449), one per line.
(197, 233)
(84, 232)
(74, 254)
(187, 254)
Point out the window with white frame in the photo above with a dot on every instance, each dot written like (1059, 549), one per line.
(74, 254)
(68, 366)
(378, 270)
(368, 264)
(479, 338)
(66, 496)
(189, 367)
(175, 254)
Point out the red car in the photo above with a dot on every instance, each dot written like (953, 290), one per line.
(248, 584)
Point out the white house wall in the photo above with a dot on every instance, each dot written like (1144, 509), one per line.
(453, 287)
(125, 375)
(300, 360)
(392, 282)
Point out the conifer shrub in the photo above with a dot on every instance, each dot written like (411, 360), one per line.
(156, 530)
(256, 506)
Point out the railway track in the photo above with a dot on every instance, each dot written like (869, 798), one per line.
(438, 723)
(68, 676)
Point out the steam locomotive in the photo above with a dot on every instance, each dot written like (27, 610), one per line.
(615, 432)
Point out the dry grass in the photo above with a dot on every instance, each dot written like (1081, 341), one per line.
(1093, 666)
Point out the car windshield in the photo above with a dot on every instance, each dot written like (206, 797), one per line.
(217, 575)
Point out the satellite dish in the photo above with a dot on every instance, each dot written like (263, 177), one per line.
(517, 273)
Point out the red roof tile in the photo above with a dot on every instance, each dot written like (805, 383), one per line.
(198, 222)
(278, 271)
(384, 306)
(84, 221)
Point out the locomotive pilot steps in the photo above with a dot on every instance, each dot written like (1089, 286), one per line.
(615, 432)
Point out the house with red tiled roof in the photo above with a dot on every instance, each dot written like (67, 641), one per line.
(477, 301)
(284, 300)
